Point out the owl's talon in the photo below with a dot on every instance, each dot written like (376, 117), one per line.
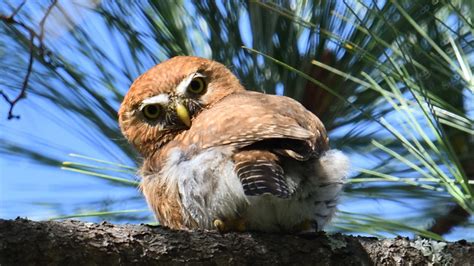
(220, 225)
(238, 225)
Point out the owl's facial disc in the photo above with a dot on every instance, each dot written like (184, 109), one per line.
(175, 110)
(166, 112)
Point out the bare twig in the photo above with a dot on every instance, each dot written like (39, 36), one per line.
(43, 21)
(33, 34)
(18, 9)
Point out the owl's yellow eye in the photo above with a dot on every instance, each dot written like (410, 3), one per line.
(197, 86)
(152, 111)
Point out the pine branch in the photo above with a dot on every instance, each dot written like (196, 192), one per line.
(24, 242)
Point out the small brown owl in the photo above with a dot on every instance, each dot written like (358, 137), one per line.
(218, 156)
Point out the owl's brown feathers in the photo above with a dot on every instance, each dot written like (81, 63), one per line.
(236, 149)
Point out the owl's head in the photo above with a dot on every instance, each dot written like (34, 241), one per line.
(164, 100)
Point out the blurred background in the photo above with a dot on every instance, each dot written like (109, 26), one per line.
(391, 80)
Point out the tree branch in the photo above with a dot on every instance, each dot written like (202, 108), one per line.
(32, 35)
(24, 242)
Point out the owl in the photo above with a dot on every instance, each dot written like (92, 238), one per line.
(216, 156)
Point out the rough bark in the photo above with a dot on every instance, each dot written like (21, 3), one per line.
(25, 242)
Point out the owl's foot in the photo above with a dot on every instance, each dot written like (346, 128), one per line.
(224, 226)
(219, 225)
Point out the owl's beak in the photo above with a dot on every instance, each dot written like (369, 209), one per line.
(183, 114)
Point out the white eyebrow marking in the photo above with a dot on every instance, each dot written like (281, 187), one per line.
(183, 85)
(162, 99)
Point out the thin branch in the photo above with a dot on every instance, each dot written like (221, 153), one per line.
(42, 22)
(18, 9)
(33, 34)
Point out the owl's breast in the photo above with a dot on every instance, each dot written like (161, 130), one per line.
(207, 183)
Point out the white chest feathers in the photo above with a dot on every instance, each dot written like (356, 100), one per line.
(210, 189)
